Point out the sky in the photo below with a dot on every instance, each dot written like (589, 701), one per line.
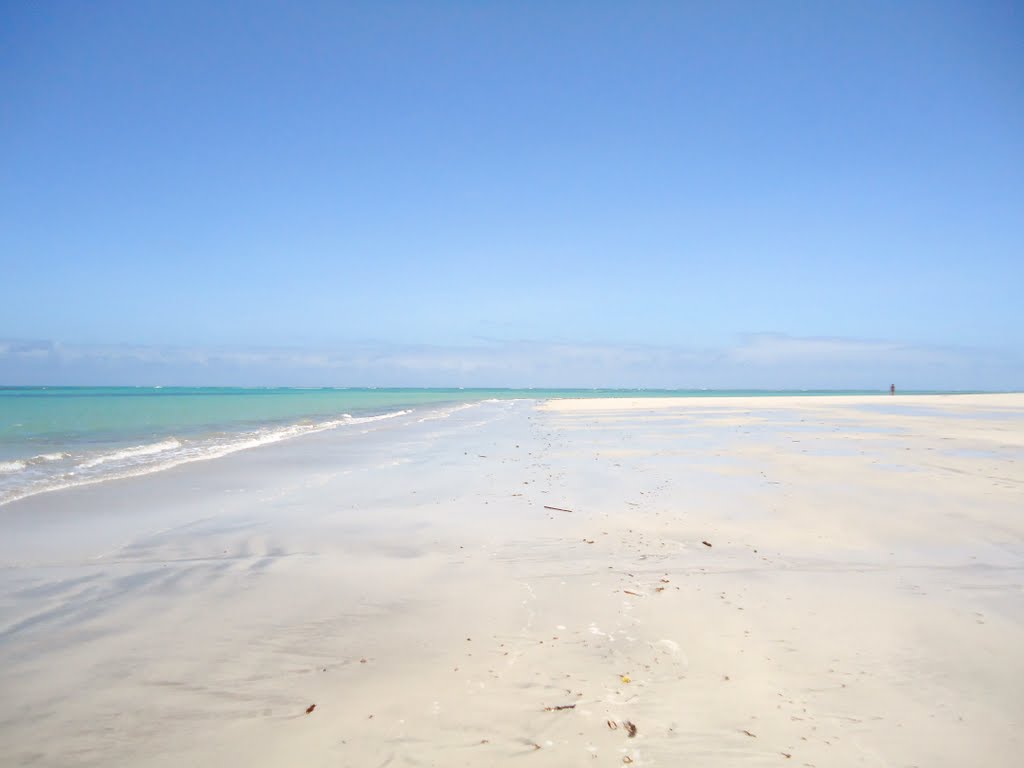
(681, 194)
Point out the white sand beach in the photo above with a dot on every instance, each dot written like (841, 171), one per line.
(805, 581)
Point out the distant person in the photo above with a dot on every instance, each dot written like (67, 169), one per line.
(892, 389)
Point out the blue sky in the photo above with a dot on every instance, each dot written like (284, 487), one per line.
(619, 194)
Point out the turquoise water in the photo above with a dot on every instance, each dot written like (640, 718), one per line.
(55, 437)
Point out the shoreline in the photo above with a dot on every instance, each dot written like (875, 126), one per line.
(993, 399)
(502, 584)
(174, 447)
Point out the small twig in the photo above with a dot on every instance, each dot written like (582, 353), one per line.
(635, 594)
(557, 509)
(559, 707)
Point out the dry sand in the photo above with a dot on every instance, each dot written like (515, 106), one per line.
(860, 603)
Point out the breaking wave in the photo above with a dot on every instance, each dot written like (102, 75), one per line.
(52, 471)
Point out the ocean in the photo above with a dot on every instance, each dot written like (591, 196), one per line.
(59, 437)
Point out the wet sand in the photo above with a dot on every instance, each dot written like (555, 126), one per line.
(754, 581)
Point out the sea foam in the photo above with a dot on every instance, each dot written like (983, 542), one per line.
(87, 468)
(135, 452)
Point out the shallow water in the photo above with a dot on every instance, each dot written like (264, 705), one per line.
(59, 437)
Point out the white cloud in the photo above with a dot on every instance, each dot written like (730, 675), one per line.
(777, 348)
(763, 360)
